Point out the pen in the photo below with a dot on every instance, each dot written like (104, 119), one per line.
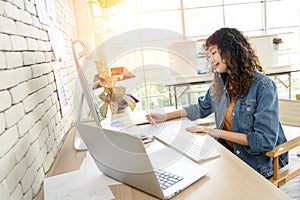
(142, 123)
(151, 119)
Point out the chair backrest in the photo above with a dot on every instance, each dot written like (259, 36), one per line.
(289, 112)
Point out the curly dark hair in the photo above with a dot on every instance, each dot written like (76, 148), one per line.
(240, 57)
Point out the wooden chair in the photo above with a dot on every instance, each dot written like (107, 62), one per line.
(289, 114)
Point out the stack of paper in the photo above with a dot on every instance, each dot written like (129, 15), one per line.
(86, 183)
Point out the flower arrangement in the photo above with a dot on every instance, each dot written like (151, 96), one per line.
(112, 95)
(277, 41)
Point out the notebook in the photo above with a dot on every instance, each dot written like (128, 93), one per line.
(123, 157)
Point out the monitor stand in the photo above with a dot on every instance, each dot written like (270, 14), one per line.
(78, 143)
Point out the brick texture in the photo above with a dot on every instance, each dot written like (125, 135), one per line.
(32, 127)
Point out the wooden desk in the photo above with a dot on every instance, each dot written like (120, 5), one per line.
(228, 178)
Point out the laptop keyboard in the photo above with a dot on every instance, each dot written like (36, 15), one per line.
(167, 179)
(191, 150)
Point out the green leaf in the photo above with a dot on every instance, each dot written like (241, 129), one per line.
(104, 74)
(114, 108)
(111, 81)
(103, 110)
(118, 93)
(130, 101)
(102, 96)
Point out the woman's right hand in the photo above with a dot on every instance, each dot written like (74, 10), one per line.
(156, 118)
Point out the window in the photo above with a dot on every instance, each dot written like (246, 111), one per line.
(282, 13)
(252, 20)
(196, 22)
(194, 19)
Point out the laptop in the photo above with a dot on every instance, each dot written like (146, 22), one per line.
(123, 157)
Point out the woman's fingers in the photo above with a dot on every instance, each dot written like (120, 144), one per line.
(197, 129)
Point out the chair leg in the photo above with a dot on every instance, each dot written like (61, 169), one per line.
(275, 170)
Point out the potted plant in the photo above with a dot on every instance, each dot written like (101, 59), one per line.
(114, 97)
(276, 42)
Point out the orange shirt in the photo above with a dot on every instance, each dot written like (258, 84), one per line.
(227, 120)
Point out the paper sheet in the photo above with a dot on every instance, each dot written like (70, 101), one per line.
(86, 183)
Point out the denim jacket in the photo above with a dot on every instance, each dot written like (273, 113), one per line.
(256, 115)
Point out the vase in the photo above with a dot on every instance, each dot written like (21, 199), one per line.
(276, 47)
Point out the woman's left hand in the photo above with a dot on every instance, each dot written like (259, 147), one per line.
(205, 130)
(197, 129)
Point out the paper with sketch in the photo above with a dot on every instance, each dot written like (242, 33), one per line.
(87, 183)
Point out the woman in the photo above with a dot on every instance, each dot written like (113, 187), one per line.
(244, 101)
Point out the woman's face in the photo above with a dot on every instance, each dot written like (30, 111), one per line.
(216, 59)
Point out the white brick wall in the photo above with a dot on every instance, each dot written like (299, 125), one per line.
(21, 148)
(19, 92)
(27, 196)
(7, 25)
(14, 114)
(17, 193)
(11, 11)
(19, 43)
(37, 83)
(41, 156)
(40, 57)
(32, 128)
(32, 153)
(13, 177)
(43, 137)
(30, 7)
(48, 56)
(5, 43)
(5, 100)
(7, 163)
(44, 35)
(10, 78)
(32, 44)
(38, 112)
(30, 102)
(48, 161)
(38, 181)
(18, 3)
(36, 22)
(22, 29)
(2, 7)
(4, 191)
(13, 59)
(35, 132)
(8, 139)
(47, 104)
(25, 17)
(2, 123)
(28, 178)
(34, 32)
(29, 58)
(50, 142)
(25, 124)
(2, 61)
